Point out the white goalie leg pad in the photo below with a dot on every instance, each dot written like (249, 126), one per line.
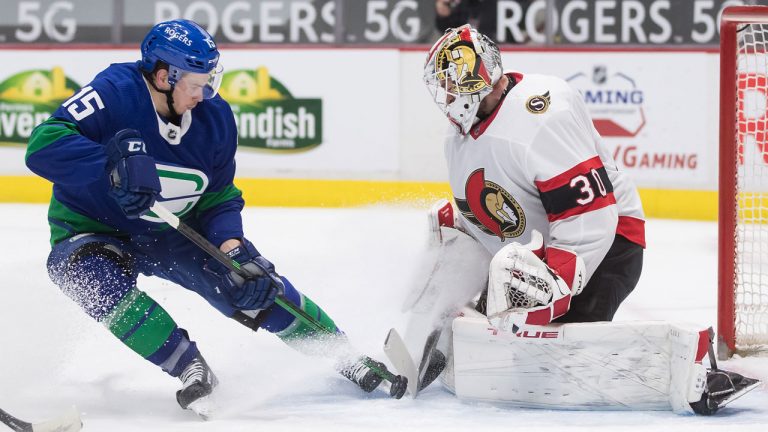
(689, 376)
(450, 275)
(447, 378)
(606, 366)
(441, 214)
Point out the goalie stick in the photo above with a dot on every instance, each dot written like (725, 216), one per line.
(454, 269)
(68, 422)
(397, 383)
(432, 361)
(401, 360)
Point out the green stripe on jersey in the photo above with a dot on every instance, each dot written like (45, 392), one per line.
(66, 223)
(48, 132)
(212, 199)
(140, 323)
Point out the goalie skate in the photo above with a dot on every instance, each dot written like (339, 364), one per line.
(722, 388)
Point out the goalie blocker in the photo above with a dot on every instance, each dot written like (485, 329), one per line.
(604, 365)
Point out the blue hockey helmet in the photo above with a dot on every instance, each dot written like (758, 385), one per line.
(185, 47)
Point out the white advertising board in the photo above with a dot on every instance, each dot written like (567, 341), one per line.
(365, 114)
(358, 94)
(301, 113)
(657, 112)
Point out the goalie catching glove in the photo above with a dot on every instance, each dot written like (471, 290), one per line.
(259, 289)
(524, 290)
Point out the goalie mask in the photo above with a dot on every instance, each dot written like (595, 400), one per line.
(461, 70)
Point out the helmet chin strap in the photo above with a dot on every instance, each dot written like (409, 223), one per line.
(174, 117)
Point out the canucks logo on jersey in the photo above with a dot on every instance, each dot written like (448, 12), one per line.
(182, 188)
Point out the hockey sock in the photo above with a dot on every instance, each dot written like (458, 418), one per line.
(306, 339)
(288, 327)
(97, 274)
(300, 330)
(146, 328)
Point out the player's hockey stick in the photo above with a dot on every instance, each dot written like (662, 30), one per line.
(69, 422)
(203, 243)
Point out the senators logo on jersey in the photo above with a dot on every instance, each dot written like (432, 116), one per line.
(491, 208)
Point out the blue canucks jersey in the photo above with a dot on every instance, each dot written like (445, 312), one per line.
(195, 160)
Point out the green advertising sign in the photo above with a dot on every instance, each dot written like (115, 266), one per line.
(28, 98)
(268, 117)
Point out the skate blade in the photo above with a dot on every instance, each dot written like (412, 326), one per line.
(741, 392)
(205, 407)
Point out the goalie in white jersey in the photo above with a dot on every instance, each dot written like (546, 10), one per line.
(524, 156)
(548, 230)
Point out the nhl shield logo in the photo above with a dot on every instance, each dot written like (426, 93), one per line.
(599, 74)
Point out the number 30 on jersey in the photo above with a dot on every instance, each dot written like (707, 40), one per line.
(583, 183)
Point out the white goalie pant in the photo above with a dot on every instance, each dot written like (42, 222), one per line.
(605, 365)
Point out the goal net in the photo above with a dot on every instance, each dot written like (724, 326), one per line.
(743, 194)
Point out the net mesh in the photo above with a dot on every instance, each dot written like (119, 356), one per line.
(751, 257)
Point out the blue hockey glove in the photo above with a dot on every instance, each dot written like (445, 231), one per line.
(135, 184)
(260, 289)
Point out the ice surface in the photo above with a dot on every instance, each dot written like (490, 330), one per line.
(356, 263)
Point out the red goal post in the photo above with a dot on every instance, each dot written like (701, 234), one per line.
(743, 184)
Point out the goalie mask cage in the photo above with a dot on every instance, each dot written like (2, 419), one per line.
(743, 186)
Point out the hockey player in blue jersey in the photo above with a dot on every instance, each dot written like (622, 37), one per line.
(156, 130)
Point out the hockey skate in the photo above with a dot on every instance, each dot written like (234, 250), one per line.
(368, 375)
(198, 383)
(722, 388)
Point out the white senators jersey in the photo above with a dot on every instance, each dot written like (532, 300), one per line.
(537, 162)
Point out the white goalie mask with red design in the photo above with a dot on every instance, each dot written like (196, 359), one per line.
(461, 69)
